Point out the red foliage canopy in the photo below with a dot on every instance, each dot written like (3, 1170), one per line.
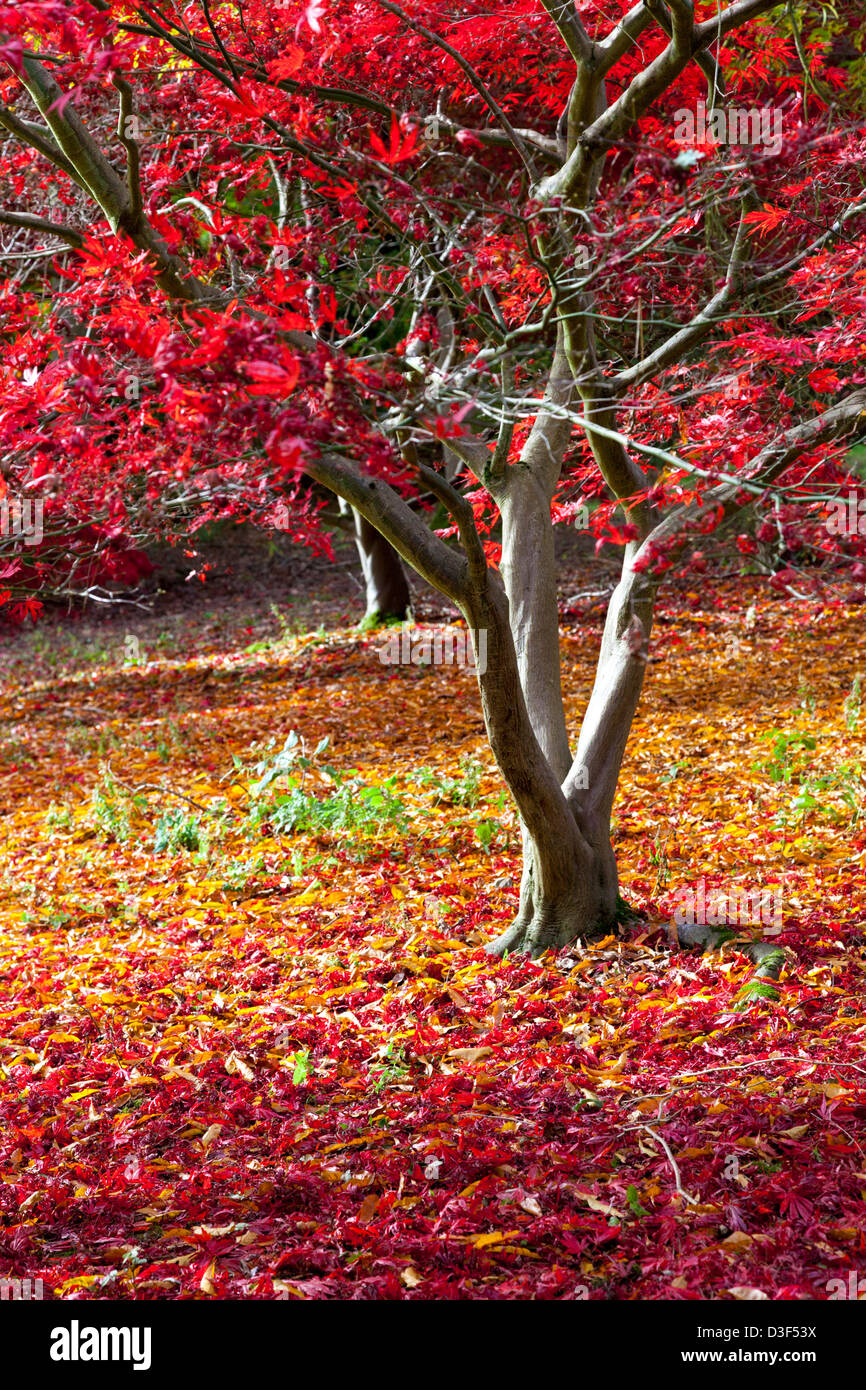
(238, 238)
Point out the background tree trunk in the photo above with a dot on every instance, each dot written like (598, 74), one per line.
(385, 582)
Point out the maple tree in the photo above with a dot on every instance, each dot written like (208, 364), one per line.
(459, 269)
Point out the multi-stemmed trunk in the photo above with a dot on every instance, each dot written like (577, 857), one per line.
(569, 881)
(569, 884)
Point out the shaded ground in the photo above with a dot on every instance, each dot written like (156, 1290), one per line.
(243, 1063)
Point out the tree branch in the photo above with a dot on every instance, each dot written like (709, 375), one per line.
(678, 19)
(644, 88)
(38, 137)
(571, 30)
(708, 65)
(101, 180)
(624, 36)
(385, 509)
(731, 18)
(474, 77)
(41, 224)
(461, 511)
(834, 423)
(673, 349)
(126, 115)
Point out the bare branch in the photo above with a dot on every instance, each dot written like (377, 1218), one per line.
(490, 136)
(571, 29)
(385, 509)
(218, 41)
(708, 65)
(98, 176)
(624, 36)
(125, 119)
(693, 332)
(732, 18)
(41, 224)
(38, 137)
(677, 18)
(645, 87)
(461, 511)
(836, 422)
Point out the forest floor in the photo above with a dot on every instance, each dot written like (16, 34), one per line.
(251, 1045)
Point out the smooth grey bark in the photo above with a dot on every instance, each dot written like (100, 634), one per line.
(387, 588)
(566, 887)
(524, 494)
(582, 897)
(588, 902)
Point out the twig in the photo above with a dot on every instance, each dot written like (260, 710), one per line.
(155, 787)
(672, 1161)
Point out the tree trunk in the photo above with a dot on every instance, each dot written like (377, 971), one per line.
(583, 904)
(569, 885)
(385, 582)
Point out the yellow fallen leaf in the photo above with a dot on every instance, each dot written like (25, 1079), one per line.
(470, 1054)
(172, 1072)
(594, 1204)
(493, 1238)
(368, 1208)
(236, 1066)
(738, 1240)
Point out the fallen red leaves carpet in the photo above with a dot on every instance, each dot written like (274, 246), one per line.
(283, 1065)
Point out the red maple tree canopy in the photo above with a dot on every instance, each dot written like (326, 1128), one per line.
(245, 240)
